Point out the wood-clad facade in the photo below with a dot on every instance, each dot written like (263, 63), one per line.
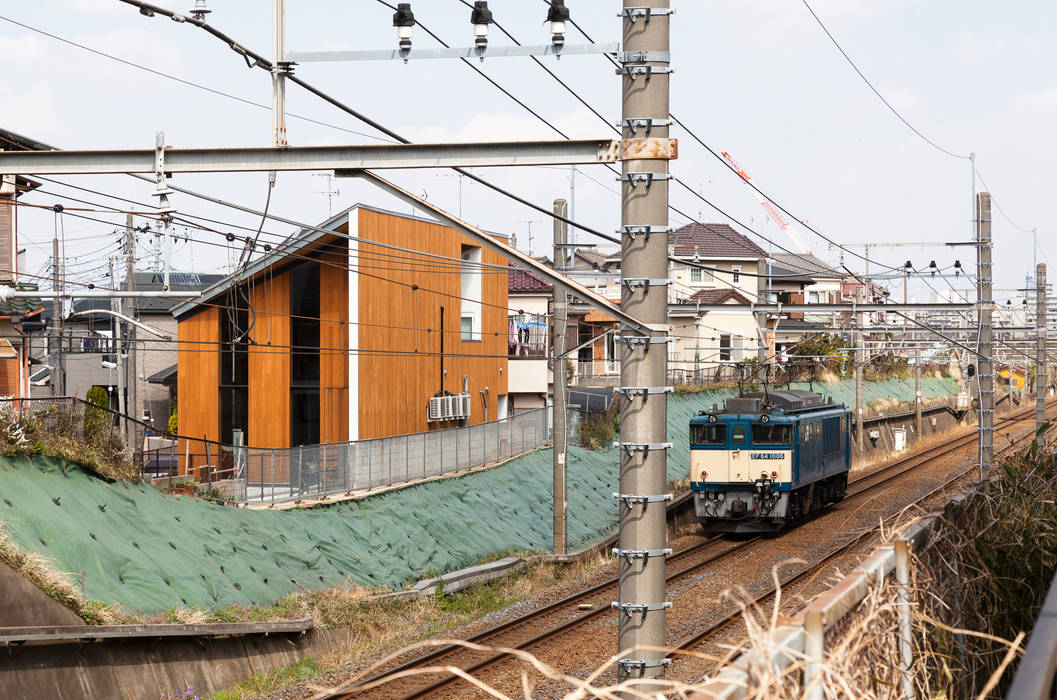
(341, 339)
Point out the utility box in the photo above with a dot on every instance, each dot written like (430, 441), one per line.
(962, 401)
(899, 438)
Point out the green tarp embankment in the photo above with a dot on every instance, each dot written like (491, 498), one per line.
(134, 546)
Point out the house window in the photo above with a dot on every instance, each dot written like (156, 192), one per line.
(724, 347)
(696, 275)
(304, 355)
(736, 274)
(470, 291)
(234, 367)
(812, 297)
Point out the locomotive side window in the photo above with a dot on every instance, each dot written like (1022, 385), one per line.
(737, 434)
(771, 434)
(831, 441)
(708, 434)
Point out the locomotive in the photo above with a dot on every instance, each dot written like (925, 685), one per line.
(768, 458)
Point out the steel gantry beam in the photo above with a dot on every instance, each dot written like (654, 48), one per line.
(337, 158)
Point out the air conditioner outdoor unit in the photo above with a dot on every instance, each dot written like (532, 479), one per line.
(460, 408)
(439, 409)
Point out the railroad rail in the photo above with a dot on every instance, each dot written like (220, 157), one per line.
(561, 617)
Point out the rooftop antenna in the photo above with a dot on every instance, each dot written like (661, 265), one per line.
(331, 191)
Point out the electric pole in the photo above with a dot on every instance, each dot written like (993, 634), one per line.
(1041, 375)
(131, 311)
(860, 360)
(986, 333)
(559, 326)
(117, 340)
(917, 394)
(644, 361)
(58, 306)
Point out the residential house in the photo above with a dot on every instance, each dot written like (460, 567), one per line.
(728, 271)
(16, 315)
(374, 324)
(801, 278)
(530, 383)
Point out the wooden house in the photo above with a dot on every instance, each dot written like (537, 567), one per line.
(373, 324)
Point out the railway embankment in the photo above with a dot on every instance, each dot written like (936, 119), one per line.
(130, 548)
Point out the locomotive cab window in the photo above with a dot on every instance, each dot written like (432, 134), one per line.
(708, 434)
(772, 434)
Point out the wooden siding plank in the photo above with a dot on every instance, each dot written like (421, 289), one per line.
(269, 371)
(334, 344)
(399, 365)
(198, 376)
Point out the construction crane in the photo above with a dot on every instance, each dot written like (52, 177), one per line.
(769, 207)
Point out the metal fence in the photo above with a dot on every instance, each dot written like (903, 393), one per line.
(250, 474)
(283, 475)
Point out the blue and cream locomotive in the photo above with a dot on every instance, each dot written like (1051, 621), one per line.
(767, 459)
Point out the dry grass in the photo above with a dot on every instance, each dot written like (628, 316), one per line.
(45, 575)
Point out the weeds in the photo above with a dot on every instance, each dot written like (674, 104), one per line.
(264, 682)
(597, 431)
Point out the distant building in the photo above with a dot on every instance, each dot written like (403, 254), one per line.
(377, 324)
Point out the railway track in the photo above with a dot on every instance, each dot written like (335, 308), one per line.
(564, 616)
(697, 639)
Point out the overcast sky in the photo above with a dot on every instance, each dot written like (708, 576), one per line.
(758, 78)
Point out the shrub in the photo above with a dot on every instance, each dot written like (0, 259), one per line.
(95, 419)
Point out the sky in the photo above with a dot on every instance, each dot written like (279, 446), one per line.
(757, 78)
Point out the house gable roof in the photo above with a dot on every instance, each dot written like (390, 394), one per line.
(807, 263)
(519, 280)
(717, 296)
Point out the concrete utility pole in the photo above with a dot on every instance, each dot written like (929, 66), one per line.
(58, 318)
(1041, 374)
(860, 360)
(917, 394)
(644, 360)
(130, 310)
(115, 306)
(762, 352)
(986, 344)
(559, 329)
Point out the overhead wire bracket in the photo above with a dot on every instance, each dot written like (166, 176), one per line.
(633, 13)
(629, 392)
(633, 282)
(633, 231)
(632, 609)
(641, 665)
(635, 178)
(644, 554)
(645, 341)
(631, 500)
(644, 447)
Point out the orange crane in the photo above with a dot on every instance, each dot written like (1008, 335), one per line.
(769, 207)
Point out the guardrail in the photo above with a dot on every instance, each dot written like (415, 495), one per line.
(1036, 676)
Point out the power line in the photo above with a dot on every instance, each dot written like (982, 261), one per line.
(881, 97)
(189, 83)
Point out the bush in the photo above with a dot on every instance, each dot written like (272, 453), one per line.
(95, 419)
(597, 431)
(174, 424)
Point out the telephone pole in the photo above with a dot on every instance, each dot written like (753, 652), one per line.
(917, 394)
(986, 333)
(644, 361)
(131, 310)
(1041, 374)
(117, 340)
(58, 318)
(860, 359)
(559, 329)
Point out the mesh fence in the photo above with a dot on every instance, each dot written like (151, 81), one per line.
(122, 447)
(278, 475)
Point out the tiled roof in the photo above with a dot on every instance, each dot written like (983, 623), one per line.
(806, 262)
(21, 307)
(519, 280)
(710, 241)
(713, 241)
(591, 257)
(717, 296)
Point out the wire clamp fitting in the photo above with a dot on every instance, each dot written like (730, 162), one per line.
(634, 71)
(643, 554)
(645, 341)
(644, 447)
(633, 231)
(640, 665)
(646, 57)
(630, 392)
(633, 282)
(632, 609)
(630, 500)
(633, 13)
(635, 178)
(635, 124)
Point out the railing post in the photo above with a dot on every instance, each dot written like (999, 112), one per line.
(407, 457)
(903, 605)
(273, 479)
(300, 470)
(814, 649)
